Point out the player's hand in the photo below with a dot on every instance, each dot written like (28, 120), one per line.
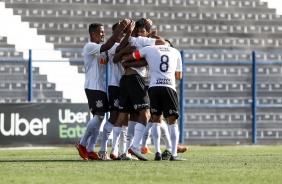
(149, 22)
(131, 26)
(129, 49)
(125, 22)
(154, 32)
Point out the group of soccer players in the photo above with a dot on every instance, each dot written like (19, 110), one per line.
(141, 91)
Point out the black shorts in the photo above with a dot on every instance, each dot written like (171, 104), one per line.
(97, 100)
(113, 93)
(164, 101)
(133, 94)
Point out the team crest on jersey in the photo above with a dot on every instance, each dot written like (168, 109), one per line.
(116, 103)
(99, 103)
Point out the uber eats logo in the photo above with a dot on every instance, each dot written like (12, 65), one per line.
(72, 125)
(21, 126)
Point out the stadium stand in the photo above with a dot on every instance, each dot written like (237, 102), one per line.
(204, 27)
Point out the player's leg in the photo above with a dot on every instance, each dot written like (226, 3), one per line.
(134, 117)
(98, 111)
(171, 114)
(140, 101)
(113, 93)
(144, 146)
(155, 95)
(122, 117)
(122, 139)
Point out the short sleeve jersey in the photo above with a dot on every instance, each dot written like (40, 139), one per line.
(95, 67)
(141, 42)
(163, 62)
(116, 69)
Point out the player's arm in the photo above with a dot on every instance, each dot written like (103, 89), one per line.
(178, 72)
(111, 41)
(124, 42)
(178, 75)
(142, 62)
(159, 40)
(128, 49)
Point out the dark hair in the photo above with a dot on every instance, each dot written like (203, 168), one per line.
(114, 26)
(169, 42)
(142, 23)
(93, 27)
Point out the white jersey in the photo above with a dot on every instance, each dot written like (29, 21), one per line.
(116, 69)
(141, 42)
(163, 62)
(95, 67)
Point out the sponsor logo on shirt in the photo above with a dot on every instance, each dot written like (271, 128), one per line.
(163, 81)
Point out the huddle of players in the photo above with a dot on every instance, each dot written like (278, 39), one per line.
(130, 98)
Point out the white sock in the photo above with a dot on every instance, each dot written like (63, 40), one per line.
(122, 140)
(156, 133)
(92, 124)
(146, 134)
(165, 135)
(107, 130)
(138, 134)
(130, 133)
(174, 136)
(93, 140)
(116, 134)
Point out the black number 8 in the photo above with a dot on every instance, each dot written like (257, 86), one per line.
(164, 63)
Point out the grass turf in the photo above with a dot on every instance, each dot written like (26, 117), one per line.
(205, 164)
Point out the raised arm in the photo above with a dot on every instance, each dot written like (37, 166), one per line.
(111, 41)
(127, 36)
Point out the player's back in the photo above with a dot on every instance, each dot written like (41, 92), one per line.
(163, 62)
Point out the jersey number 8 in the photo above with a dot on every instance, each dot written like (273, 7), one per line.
(164, 63)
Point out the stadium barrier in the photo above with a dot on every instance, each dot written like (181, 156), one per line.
(35, 120)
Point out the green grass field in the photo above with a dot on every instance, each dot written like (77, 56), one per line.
(205, 164)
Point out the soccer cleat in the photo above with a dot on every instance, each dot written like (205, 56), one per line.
(181, 149)
(176, 158)
(82, 151)
(93, 156)
(158, 156)
(113, 155)
(137, 153)
(166, 154)
(124, 157)
(146, 151)
(104, 155)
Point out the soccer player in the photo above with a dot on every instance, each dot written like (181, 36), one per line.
(134, 94)
(116, 71)
(165, 66)
(143, 28)
(95, 84)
